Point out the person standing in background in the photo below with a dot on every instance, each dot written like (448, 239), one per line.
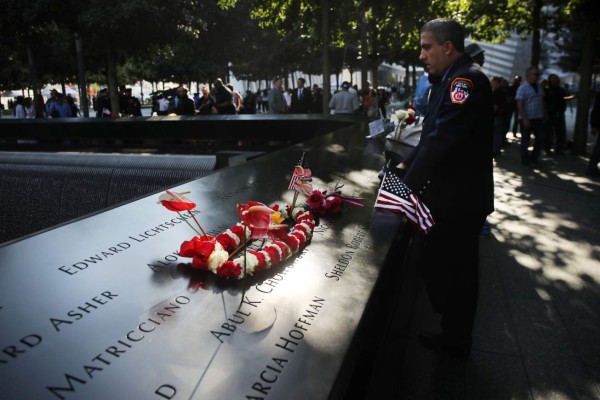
(29, 110)
(301, 98)
(510, 97)
(556, 105)
(277, 104)
(592, 169)
(223, 98)
(19, 108)
(185, 105)
(344, 102)
(532, 115)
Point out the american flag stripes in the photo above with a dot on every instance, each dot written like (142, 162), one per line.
(395, 196)
(301, 172)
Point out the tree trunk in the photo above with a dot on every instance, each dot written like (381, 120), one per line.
(535, 37)
(326, 67)
(375, 72)
(585, 80)
(38, 102)
(83, 99)
(364, 50)
(113, 87)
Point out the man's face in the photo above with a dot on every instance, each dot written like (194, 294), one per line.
(299, 83)
(434, 54)
(533, 75)
(181, 92)
(277, 83)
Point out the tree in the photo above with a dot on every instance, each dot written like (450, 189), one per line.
(495, 21)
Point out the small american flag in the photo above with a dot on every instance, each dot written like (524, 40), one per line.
(395, 196)
(301, 172)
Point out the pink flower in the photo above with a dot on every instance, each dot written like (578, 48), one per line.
(258, 218)
(303, 187)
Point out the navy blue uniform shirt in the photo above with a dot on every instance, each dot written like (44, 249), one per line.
(451, 167)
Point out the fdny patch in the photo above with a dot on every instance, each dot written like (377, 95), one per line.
(460, 90)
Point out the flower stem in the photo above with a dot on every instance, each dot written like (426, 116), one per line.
(186, 221)
(198, 223)
(240, 247)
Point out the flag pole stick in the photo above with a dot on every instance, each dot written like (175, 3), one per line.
(295, 191)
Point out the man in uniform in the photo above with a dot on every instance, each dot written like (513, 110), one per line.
(451, 171)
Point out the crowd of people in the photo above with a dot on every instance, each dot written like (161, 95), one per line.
(530, 107)
(223, 98)
(58, 105)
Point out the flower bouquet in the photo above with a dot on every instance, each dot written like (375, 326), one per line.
(257, 222)
(283, 229)
(408, 126)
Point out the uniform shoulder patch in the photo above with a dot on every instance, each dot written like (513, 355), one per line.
(460, 90)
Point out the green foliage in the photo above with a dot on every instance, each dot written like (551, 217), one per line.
(190, 40)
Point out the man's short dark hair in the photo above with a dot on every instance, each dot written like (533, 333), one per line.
(446, 30)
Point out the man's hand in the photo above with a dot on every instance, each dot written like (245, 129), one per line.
(401, 166)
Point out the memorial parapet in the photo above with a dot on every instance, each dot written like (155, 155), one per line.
(176, 134)
(106, 308)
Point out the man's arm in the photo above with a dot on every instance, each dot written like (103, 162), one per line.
(521, 109)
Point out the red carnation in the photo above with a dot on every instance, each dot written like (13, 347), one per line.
(226, 241)
(300, 237)
(292, 243)
(273, 254)
(229, 269)
(284, 249)
(262, 260)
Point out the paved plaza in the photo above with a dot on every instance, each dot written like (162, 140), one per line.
(537, 332)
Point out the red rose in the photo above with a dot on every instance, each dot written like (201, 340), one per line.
(315, 200)
(333, 204)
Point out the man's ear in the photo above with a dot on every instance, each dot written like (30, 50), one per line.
(449, 48)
